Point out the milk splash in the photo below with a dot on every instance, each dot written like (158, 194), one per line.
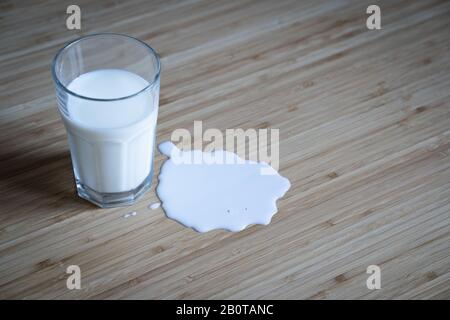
(213, 195)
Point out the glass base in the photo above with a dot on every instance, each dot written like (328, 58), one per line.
(117, 199)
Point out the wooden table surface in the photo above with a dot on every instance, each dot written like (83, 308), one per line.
(364, 119)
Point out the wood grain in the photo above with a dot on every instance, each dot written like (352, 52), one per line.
(364, 119)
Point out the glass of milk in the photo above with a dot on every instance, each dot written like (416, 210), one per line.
(107, 87)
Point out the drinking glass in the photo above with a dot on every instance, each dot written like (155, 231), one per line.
(107, 88)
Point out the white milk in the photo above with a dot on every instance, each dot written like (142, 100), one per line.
(111, 142)
(217, 196)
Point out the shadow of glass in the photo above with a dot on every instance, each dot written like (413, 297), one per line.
(38, 182)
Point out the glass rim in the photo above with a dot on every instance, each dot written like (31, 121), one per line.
(73, 42)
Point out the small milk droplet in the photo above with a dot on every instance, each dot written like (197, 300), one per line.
(155, 205)
(129, 214)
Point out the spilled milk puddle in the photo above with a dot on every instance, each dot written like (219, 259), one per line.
(205, 196)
